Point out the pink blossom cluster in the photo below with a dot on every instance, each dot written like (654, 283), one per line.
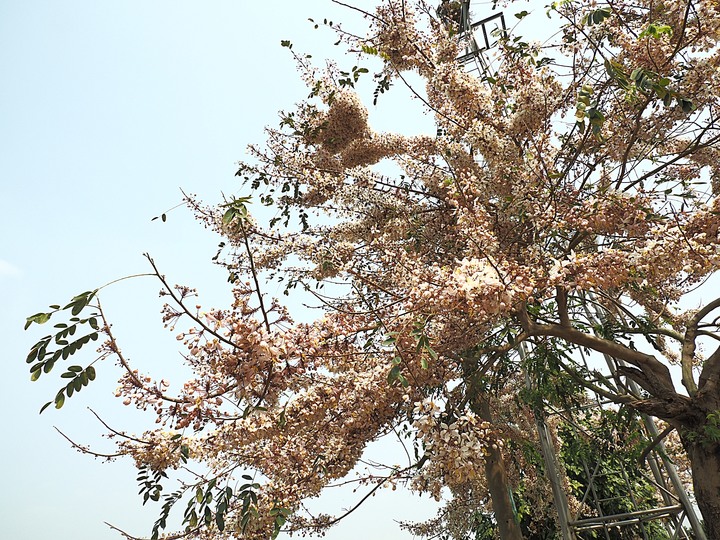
(492, 232)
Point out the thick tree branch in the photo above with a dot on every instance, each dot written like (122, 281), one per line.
(652, 332)
(709, 382)
(656, 371)
(688, 350)
(686, 359)
(561, 299)
(639, 376)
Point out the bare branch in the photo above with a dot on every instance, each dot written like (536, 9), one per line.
(253, 272)
(118, 433)
(689, 345)
(86, 449)
(656, 371)
(182, 305)
(561, 299)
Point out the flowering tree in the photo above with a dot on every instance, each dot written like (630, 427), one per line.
(577, 183)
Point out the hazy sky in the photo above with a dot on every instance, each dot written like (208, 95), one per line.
(107, 109)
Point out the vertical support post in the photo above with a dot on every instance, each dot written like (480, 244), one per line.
(551, 466)
(676, 482)
(465, 17)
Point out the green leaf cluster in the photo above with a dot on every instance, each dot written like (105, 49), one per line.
(280, 513)
(60, 346)
(708, 433)
(161, 522)
(199, 509)
(149, 481)
(349, 78)
(656, 30)
(422, 342)
(712, 427)
(648, 83)
(76, 305)
(619, 484)
(384, 82)
(395, 373)
(588, 110)
(236, 210)
(547, 368)
(248, 496)
(597, 16)
(210, 504)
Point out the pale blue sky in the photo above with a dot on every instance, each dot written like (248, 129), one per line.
(107, 108)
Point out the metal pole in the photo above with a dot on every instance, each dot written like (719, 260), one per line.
(676, 482)
(551, 467)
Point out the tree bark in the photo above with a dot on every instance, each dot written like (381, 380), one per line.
(705, 464)
(499, 487)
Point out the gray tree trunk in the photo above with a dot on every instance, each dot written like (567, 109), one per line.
(499, 487)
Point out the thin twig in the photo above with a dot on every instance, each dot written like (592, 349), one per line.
(118, 433)
(253, 271)
(180, 303)
(85, 449)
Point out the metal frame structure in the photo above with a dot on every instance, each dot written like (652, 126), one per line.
(676, 511)
(476, 37)
(480, 36)
(672, 509)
